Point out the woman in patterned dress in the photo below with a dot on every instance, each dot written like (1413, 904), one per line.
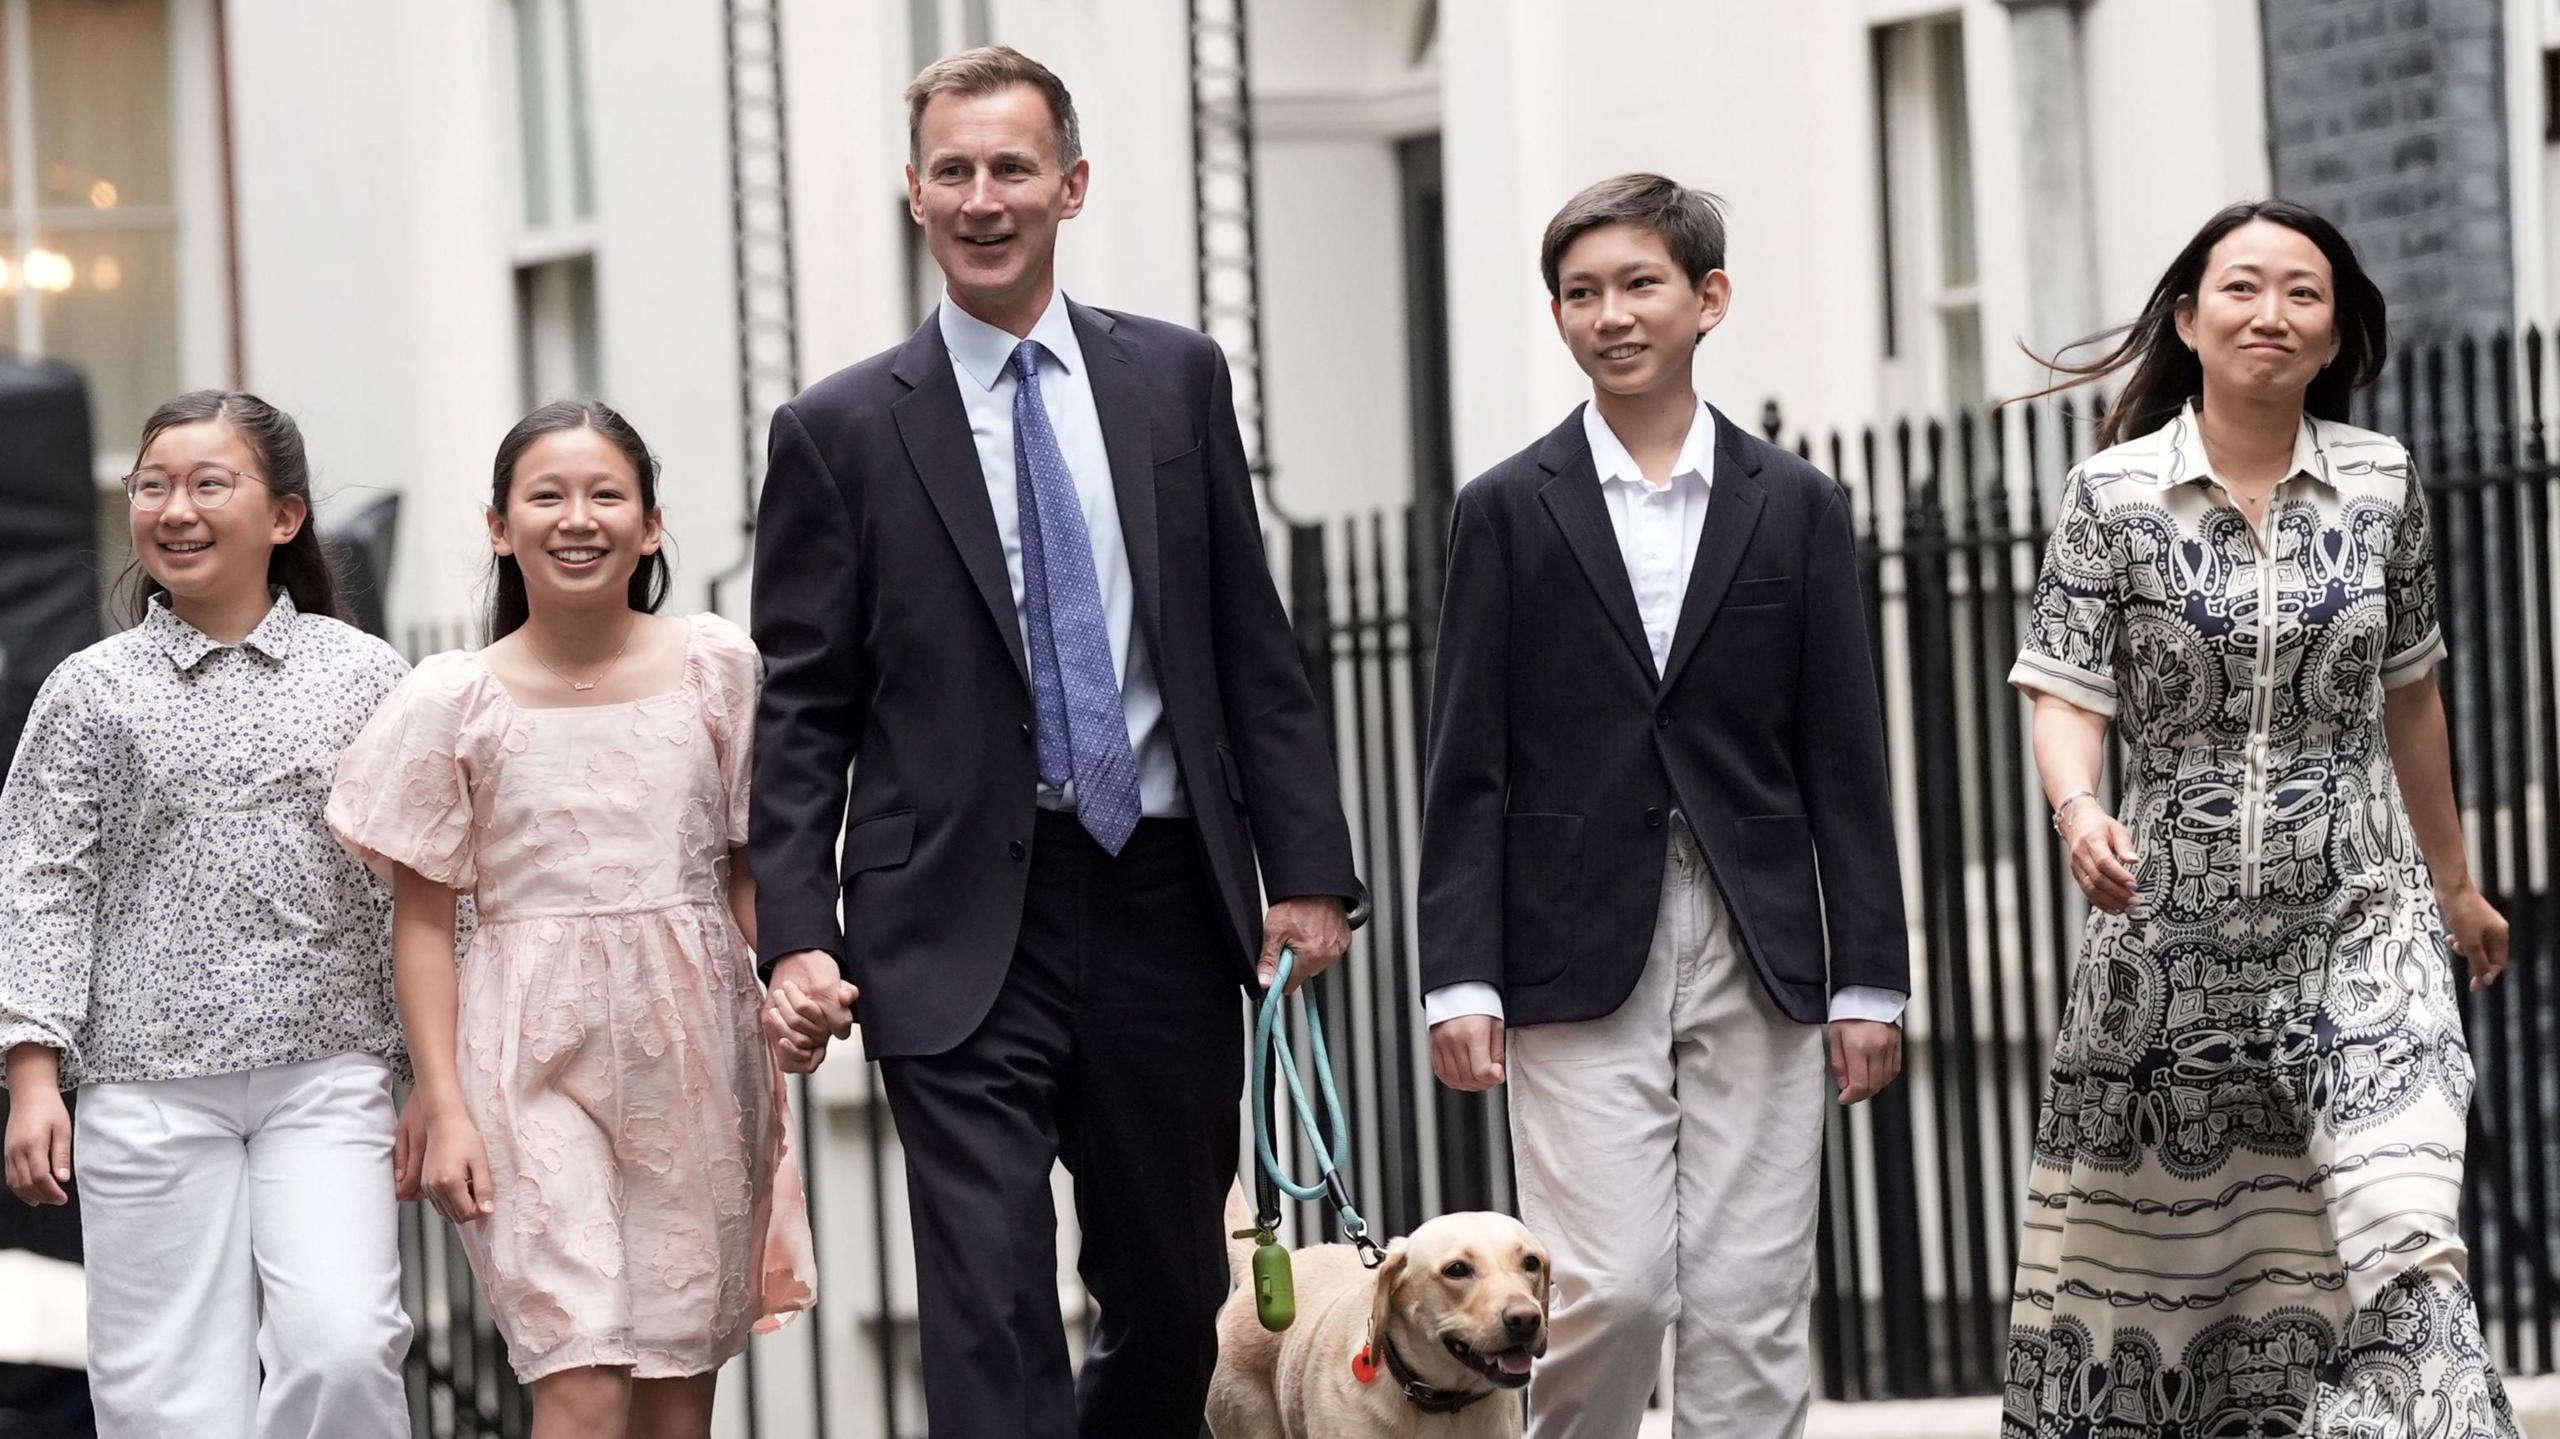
(604, 1120)
(2241, 1214)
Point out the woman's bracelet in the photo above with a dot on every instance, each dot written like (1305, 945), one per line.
(2062, 811)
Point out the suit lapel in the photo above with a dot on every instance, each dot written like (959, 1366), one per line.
(1573, 499)
(1734, 501)
(1120, 398)
(935, 428)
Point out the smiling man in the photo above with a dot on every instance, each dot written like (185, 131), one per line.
(1658, 843)
(1011, 574)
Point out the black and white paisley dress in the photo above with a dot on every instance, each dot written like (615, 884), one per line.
(2241, 1214)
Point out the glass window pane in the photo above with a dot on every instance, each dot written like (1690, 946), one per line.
(7, 207)
(583, 338)
(582, 197)
(1964, 359)
(533, 108)
(1955, 152)
(101, 103)
(109, 303)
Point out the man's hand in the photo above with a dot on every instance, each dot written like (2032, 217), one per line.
(810, 1002)
(1316, 928)
(1866, 1055)
(1466, 1052)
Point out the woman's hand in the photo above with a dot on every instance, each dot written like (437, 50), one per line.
(2478, 931)
(39, 1143)
(2102, 856)
(457, 1178)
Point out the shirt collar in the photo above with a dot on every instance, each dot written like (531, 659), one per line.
(186, 646)
(1610, 458)
(2183, 460)
(983, 351)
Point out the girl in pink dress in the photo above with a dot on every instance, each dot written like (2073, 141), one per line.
(604, 1122)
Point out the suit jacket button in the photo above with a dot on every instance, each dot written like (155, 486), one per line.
(1026, 732)
(1662, 719)
(1653, 819)
(1015, 849)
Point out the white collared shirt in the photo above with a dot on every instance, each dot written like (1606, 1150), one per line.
(1658, 525)
(1658, 528)
(982, 364)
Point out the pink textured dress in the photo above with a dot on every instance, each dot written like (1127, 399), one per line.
(649, 1214)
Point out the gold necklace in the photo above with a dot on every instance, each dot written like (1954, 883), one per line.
(536, 652)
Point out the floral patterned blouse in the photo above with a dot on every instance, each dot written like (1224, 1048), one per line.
(172, 903)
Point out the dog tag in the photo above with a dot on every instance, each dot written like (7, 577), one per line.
(1275, 1292)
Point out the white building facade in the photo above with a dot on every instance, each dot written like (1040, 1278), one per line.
(407, 223)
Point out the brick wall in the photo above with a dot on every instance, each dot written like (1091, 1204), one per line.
(2388, 116)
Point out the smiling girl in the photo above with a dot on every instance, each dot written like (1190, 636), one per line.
(189, 948)
(604, 1122)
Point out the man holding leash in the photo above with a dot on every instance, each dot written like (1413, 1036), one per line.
(1012, 567)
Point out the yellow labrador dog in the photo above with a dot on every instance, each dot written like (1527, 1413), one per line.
(1433, 1344)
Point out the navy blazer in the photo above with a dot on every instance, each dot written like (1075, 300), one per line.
(892, 647)
(1558, 755)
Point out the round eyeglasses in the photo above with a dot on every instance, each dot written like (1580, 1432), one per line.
(208, 486)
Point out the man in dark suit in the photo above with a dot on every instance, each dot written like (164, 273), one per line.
(1658, 843)
(1011, 574)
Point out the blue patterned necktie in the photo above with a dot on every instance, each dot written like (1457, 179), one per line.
(1084, 729)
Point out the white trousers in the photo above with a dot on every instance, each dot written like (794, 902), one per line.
(240, 1221)
(1670, 1155)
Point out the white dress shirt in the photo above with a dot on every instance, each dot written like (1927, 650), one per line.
(982, 363)
(1658, 528)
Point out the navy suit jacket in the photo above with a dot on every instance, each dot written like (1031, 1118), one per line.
(1557, 754)
(892, 647)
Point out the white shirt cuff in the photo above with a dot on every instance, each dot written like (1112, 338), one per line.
(1450, 1001)
(1865, 1001)
(1853, 1001)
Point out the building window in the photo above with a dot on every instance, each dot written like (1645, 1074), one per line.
(88, 213)
(557, 340)
(556, 330)
(1933, 319)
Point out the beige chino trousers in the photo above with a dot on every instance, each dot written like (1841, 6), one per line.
(1670, 1154)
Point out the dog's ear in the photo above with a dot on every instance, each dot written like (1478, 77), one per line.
(1387, 1277)
(1546, 1283)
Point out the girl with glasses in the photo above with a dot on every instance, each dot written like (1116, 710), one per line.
(189, 948)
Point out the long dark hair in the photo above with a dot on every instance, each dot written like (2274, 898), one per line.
(2166, 374)
(508, 607)
(300, 566)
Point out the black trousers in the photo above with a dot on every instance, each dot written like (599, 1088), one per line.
(1116, 1045)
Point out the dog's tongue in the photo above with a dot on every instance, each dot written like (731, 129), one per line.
(1512, 1361)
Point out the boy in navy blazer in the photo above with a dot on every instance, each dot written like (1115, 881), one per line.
(1658, 854)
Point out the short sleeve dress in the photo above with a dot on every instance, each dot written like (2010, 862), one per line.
(2241, 1216)
(649, 1212)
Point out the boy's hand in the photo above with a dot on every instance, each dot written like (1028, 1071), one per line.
(1866, 1055)
(1466, 1052)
